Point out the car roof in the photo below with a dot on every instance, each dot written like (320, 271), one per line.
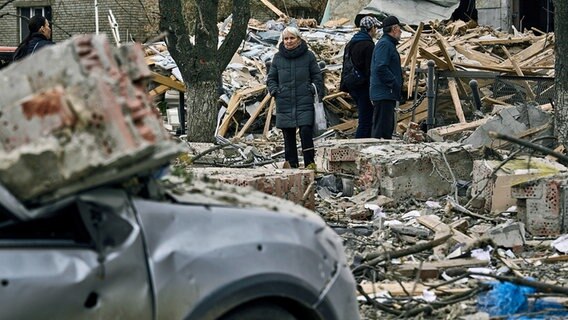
(7, 49)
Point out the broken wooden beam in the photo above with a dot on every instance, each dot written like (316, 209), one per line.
(254, 115)
(274, 9)
(519, 72)
(269, 117)
(456, 100)
(234, 103)
(167, 81)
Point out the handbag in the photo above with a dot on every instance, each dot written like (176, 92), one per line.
(320, 122)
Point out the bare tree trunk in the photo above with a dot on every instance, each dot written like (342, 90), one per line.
(201, 63)
(202, 111)
(561, 81)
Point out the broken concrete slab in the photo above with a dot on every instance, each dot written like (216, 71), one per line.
(542, 205)
(340, 156)
(295, 185)
(495, 187)
(512, 121)
(83, 121)
(507, 235)
(420, 171)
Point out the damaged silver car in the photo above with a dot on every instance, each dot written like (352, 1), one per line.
(108, 253)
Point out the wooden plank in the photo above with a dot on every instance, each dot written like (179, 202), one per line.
(502, 41)
(529, 132)
(411, 59)
(441, 64)
(527, 53)
(559, 149)
(545, 58)
(456, 26)
(519, 72)
(158, 90)
(350, 124)
(414, 46)
(547, 259)
(344, 104)
(409, 269)
(441, 132)
(234, 102)
(269, 117)
(456, 100)
(335, 95)
(495, 101)
(512, 266)
(451, 67)
(440, 230)
(254, 115)
(433, 223)
(174, 84)
(274, 9)
(400, 289)
(484, 59)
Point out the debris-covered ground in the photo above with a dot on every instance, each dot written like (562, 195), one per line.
(446, 221)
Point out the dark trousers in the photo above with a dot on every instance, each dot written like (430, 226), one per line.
(383, 119)
(290, 148)
(365, 111)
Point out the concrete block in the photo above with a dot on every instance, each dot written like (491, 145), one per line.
(83, 121)
(295, 185)
(511, 121)
(414, 170)
(496, 188)
(172, 117)
(508, 235)
(542, 205)
(340, 156)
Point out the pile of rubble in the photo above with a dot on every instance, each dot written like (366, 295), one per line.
(509, 68)
(429, 226)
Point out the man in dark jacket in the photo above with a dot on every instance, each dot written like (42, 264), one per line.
(386, 79)
(39, 37)
(360, 51)
(292, 80)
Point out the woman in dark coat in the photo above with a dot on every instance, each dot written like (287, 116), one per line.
(292, 72)
(39, 36)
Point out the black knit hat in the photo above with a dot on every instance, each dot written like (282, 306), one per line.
(390, 21)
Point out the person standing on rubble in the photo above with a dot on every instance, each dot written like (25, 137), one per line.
(293, 74)
(39, 37)
(386, 79)
(356, 72)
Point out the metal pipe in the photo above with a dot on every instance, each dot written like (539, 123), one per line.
(561, 157)
(181, 113)
(430, 95)
(417, 76)
(475, 93)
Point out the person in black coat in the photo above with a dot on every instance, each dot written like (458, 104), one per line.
(360, 50)
(293, 74)
(39, 37)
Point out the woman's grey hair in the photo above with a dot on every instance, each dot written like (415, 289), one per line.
(291, 30)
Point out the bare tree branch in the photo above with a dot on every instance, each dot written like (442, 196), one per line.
(2, 6)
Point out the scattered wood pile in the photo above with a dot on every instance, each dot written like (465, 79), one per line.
(481, 53)
(477, 52)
